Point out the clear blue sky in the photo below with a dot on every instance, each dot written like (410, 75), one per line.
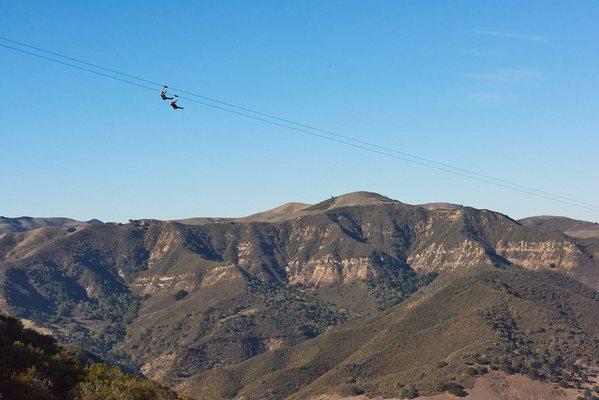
(509, 89)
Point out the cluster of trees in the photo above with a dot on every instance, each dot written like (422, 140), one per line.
(389, 292)
(517, 352)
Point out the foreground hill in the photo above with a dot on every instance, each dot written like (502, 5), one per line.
(176, 300)
(540, 324)
(35, 367)
(572, 227)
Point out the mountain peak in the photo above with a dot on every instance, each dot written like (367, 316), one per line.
(295, 209)
(360, 198)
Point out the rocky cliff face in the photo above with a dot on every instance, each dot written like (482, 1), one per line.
(173, 299)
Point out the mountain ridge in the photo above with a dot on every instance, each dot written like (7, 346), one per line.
(176, 300)
(576, 228)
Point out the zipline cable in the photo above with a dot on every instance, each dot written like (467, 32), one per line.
(78, 67)
(77, 60)
(328, 132)
(362, 144)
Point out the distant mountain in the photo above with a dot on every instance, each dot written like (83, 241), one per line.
(176, 300)
(24, 224)
(572, 227)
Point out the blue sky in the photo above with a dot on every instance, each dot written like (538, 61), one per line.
(508, 89)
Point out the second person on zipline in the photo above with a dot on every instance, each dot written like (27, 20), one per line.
(174, 104)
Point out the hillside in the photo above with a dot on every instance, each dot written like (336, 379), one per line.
(175, 300)
(539, 324)
(35, 367)
(572, 227)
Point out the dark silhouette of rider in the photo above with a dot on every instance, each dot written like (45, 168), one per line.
(174, 104)
(163, 94)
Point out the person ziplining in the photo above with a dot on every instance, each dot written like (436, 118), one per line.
(174, 104)
(163, 93)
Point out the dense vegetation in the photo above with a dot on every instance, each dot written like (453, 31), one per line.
(390, 292)
(34, 367)
(561, 345)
